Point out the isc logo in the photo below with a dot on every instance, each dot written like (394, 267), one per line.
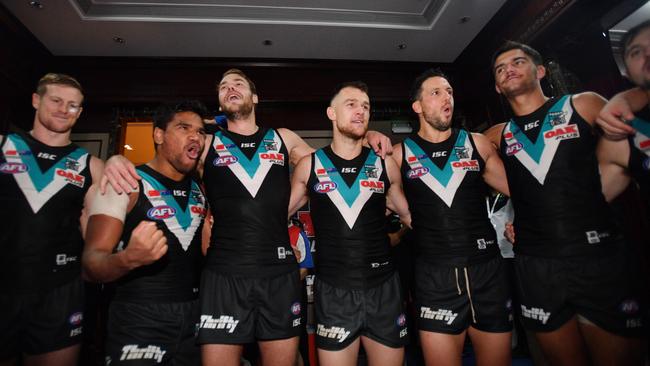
(514, 148)
(324, 187)
(247, 144)
(348, 170)
(417, 172)
(13, 168)
(161, 212)
(47, 156)
(438, 154)
(531, 125)
(225, 160)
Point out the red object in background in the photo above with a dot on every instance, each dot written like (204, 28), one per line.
(308, 226)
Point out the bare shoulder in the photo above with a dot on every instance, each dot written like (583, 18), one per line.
(588, 105)
(493, 134)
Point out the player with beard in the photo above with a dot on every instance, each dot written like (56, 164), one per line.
(460, 277)
(45, 182)
(250, 288)
(622, 159)
(149, 244)
(357, 291)
(575, 279)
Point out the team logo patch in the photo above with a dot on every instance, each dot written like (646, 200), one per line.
(461, 152)
(401, 320)
(295, 308)
(466, 165)
(373, 185)
(325, 187)
(371, 171)
(13, 168)
(270, 145)
(76, 318)
(514, 148)
(416, 173)
(71, 177)
(557, 118)
(71, 164)
(225, 160)
(629, 307)
(161, 212)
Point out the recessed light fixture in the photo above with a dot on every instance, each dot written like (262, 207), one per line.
(128, 147)
(119, 40)
(401, 46)
(464, 19)
(267, 42)
(36, 4)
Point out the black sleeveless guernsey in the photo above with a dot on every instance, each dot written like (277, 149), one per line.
(42, 190)
(444, 186)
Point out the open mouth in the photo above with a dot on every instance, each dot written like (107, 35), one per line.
(193, 151)
(233, 97)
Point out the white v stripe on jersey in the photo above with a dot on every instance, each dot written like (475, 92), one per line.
(350, 213)
(445, 192)
(252, 184)
(550, 145)
(36, 198)
(184, 236)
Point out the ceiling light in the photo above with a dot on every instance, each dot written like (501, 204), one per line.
(119, 40)
(267, 42)
(401, 46)
(36, 4)
(128, 147)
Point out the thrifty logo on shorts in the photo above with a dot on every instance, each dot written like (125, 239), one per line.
(440, 314)
(133, 352)
(224, 322)
(338, 333)
(535, 314)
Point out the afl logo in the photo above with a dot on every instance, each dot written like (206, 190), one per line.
(646, 164)
(295, 308)
(76, 318)
(325, 187)
(225, 160)
(514, 148)
(13, 168)
(161, 212)
(401, 320)
(417, 172)
(629, 307)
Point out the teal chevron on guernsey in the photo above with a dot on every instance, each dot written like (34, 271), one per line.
(183, 223)
(443, 182)
(38, 186)
(537, 156)
(349, 200)
(642, 136)
(250, 172)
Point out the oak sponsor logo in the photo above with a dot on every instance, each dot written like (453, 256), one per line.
(273, 158)
(71, 177)
(465, 165)
(563, 133)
